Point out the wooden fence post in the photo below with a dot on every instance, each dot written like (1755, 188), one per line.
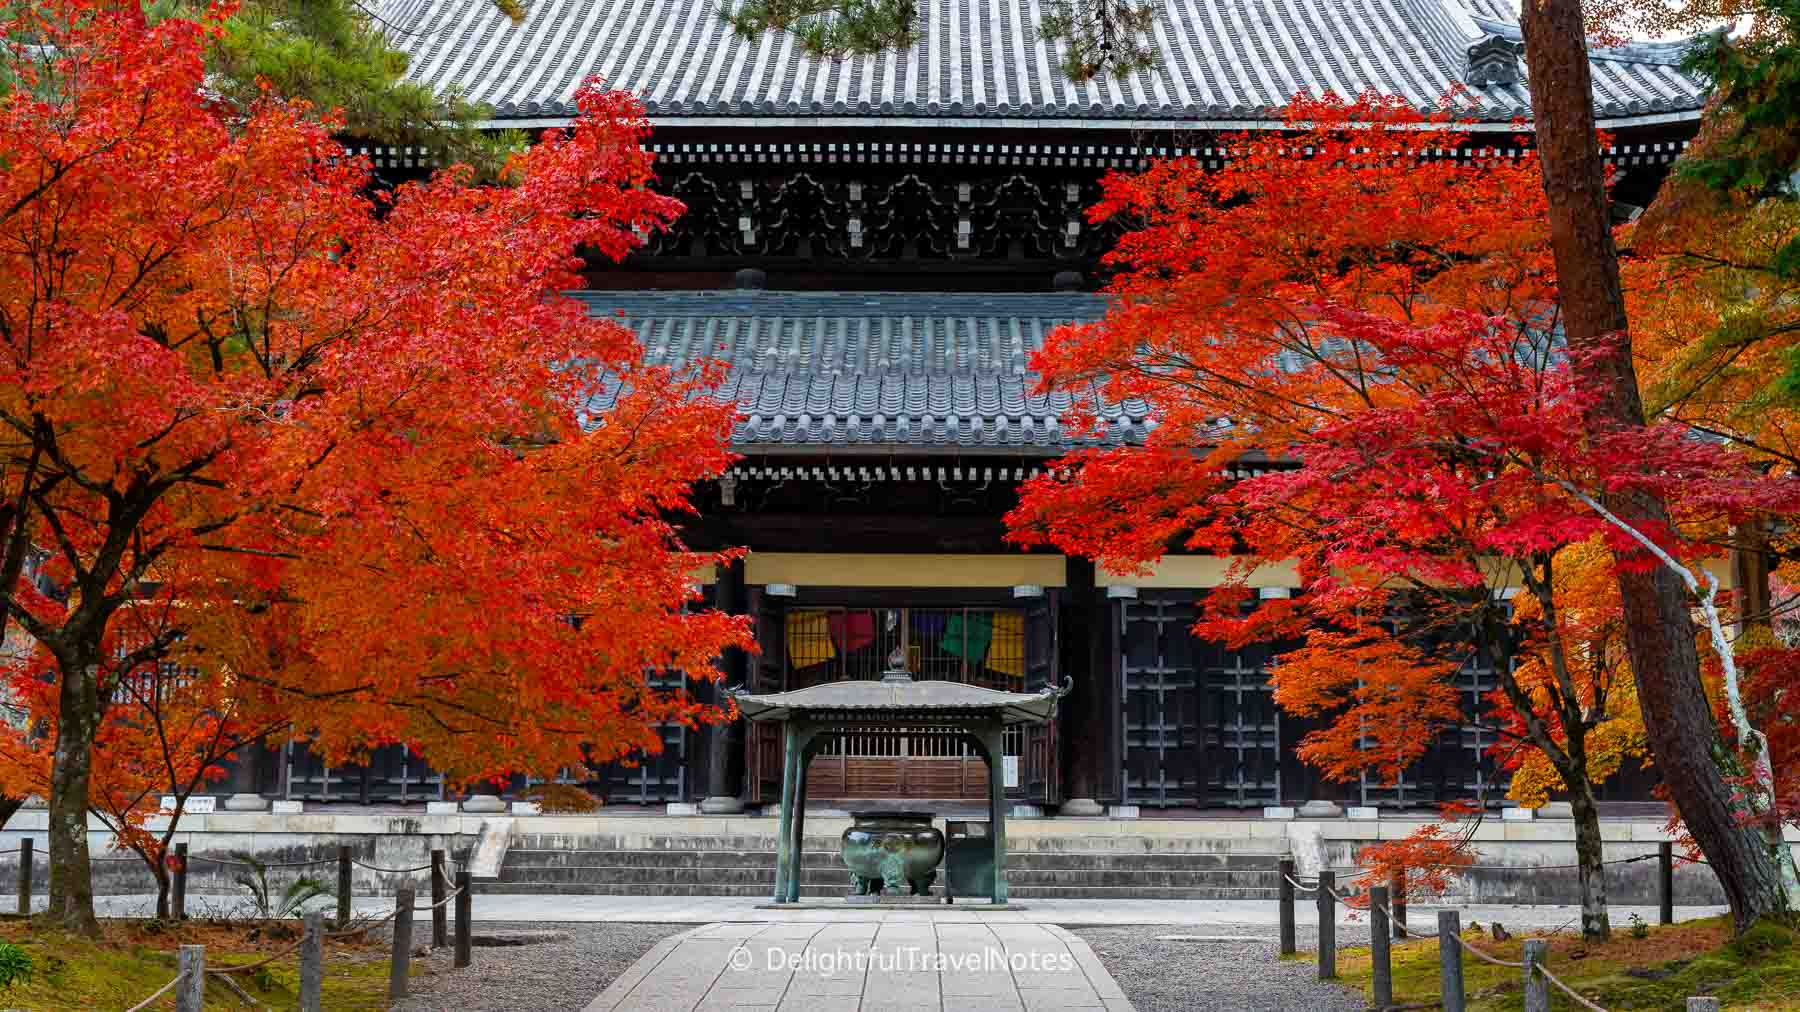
(440, 917)
(1286, 893)
(1537, 989)
(178, 889)
(1397, 890)
(464, 911)
(400, 965)
(312, 962)
(1665, 878)
(1327, 925)
(344, 887)
(1450, 961)
(1380, 954)
(25, 847)
(191, 992)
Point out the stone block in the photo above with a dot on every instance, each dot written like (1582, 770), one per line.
(1321, 810)
(245, 802)
(489, 852)
(526, 808)
(350, 823)
(484, 804)
(1516, 814)
(1123, 811)
(440, 808)
(1556, 810)
(1363, 813)
(1080, 808)
(681, 808)
(1613, 832)
(1540, 831)
(288, 807)
(1364, 829)
(1278, 812)
(722, 806)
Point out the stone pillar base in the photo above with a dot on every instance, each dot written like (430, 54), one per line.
(246, 802)
(484, 804)
(722, 806)
(1081, 808)
(1320, 810)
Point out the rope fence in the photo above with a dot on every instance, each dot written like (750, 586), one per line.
(1539, 867)
(1300, 886)
(446, 890)
(147, 1002)
(1387, 922)
(1566, 989)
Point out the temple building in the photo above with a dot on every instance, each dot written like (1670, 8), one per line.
(876, 246)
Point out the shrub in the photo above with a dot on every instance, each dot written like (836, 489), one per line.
(15, 965)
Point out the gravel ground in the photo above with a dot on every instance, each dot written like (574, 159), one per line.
(1234, 975)
(561, 976)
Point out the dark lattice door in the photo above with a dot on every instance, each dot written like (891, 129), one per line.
(1200, 722)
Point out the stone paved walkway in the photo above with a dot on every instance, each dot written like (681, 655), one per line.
(889, 965)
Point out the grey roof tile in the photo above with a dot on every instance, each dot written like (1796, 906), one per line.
(947, 392)
(1242, 60)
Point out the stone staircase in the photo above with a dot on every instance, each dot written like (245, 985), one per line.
(1049, 866)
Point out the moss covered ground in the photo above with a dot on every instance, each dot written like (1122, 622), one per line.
(1658, 970)
(132, 959)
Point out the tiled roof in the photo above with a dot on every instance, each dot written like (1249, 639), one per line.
(874, 371)
(981, 59)
(904, 697)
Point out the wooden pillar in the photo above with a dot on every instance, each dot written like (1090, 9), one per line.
(797, 850)
(1285, 905)
(1380, 948)
(722, 795)
(1450, 961)
(1750, 575)
(994, 743)
(790, 758)
(191, 967)
(1107, 682)
(1077, 750)
(312, 962)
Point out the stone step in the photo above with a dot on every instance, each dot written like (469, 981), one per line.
(1147, 879)
(828, 856)
(1016, 892)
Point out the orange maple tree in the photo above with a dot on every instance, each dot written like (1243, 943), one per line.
(1368, 322)
(387, 485)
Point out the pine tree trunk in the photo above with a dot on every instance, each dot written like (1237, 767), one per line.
(1590, 862)
(1680, 727)
(71, 900)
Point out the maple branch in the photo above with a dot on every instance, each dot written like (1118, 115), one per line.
(18, 540)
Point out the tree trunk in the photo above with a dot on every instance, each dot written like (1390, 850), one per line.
(1679, 723)
(71, 884)
(1590, 861)
(160, 869)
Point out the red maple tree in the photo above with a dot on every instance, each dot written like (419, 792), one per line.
(386, 483)
(1368, 325)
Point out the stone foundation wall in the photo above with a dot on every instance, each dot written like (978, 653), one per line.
(1517, 862)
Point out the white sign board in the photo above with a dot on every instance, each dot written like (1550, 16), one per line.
(196, 805)
(1011, 770)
